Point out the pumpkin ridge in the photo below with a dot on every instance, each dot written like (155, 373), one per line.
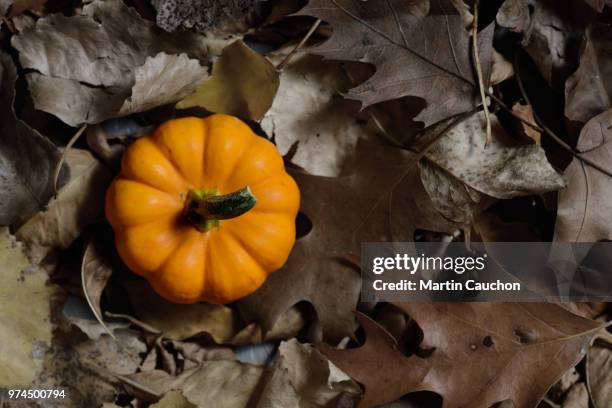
(238, 162)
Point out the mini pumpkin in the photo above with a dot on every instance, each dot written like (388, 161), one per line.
(203, 209)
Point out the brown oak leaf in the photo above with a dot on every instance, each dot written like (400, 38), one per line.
(480, 353)
(428, 57)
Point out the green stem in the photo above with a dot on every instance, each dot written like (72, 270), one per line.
(205, 207)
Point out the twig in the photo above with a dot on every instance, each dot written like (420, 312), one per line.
(478, 69)
(58, 168)
(548, 131)
(289, 56)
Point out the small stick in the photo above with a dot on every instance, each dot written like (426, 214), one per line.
(548, 131)
(58, 168)
(478, 67)
(283, 64)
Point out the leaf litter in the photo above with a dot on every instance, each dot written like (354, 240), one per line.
(378, 110)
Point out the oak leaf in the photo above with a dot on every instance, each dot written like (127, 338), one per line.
(480, 354)
(429, 57)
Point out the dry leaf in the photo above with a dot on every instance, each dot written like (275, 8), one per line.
(577, 397)
(503, 169)
(584, 206)
(96, 270)
(308, 111)
(452, 198)
(428, 57)
(383, 200)
(589, 89)
(161, 80)
(525, 112)
(243, 83)
(553, 38)
(179, 322)
(89, 368)
(219, 384)
(27, 159)
(478, 353)
(24, 315)
(98, 65)
(301, 377)
(599, 374)
(78, 203)
(173, 399)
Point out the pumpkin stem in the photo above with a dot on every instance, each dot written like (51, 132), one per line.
(205, 207)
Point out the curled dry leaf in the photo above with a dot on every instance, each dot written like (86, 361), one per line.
(308, 111)
(96, 270)
(179, 322)
(584, 206)
(77, 204)
(588, 91)
(525, 112)
(26, 324)
(599, 373)
(375, 203)
(428, 57)
(243, 83)
(503, 169)
(27, 159)
(223, 384)
(514, 15)
(105, 63)
(301, 377)
(577, 397)
(481, 353)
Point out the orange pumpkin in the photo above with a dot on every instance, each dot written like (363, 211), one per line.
(203, 209)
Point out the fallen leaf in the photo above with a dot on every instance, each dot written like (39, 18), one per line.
(88, 368)
(26, 324)
(308, 111)
(428, 57)
(94, 330)
(452, 198)
(173, 399)
(27, 159)
(98, 65)
(584, 206)
(163, 79)
(599, 374)
(222, 384)
(243, 83)
(577, 397)
(78, 203)
(205, 15)
(96, 270)
(589, 89)
(179, 322)
(383, 200)
(553, 38)
(301, 377)
(502, 169)
(525, 112)
(479, 353)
